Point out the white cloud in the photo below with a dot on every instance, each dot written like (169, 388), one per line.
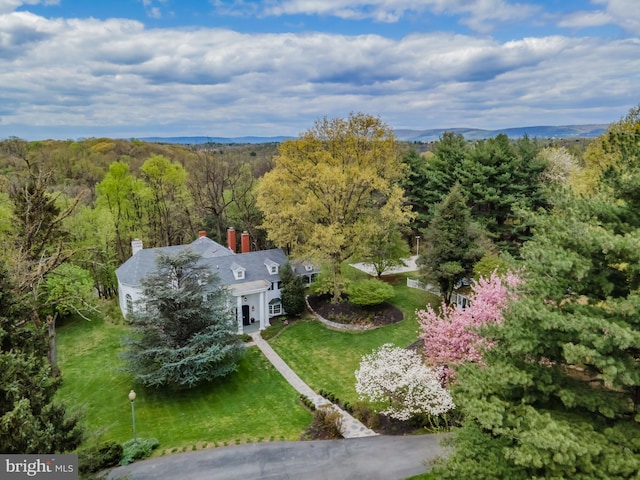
(624, 13)
(479, 15)
(7, 6)
(80, 74)
(583, 19)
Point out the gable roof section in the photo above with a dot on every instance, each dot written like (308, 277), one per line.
(252, 262)
(219, 259)
(209, 249)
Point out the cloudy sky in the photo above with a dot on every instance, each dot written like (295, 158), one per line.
(136, 68)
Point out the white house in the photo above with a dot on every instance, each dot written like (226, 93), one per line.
(252, 278)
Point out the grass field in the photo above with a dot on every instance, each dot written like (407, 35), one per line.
(327, 359)
(254, 404)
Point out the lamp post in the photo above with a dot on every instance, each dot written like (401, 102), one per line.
(417, 245)
(132, 397)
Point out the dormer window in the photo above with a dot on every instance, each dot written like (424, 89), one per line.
(272, 267)
(238, 271)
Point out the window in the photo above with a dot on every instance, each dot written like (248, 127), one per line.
(129, 302)
(275, 309)
(308, 267)
(272, 267)
(238, 271)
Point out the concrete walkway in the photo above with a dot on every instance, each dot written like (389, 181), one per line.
(351, 428)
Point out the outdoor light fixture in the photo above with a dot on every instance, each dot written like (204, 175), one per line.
(132, 397)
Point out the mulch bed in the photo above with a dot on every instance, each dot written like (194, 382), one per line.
(348, 313)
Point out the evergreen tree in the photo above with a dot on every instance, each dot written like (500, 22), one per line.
(453, 244)
(558, 394)
(432, 176)
(292, 291)
(184, 332)
(30, 421)
(498, 179)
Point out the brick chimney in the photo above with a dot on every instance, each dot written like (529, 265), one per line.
(202, 233)
(231, 239)
(244, 240)
(136, 246)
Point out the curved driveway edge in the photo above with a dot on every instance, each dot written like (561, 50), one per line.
(368, 458)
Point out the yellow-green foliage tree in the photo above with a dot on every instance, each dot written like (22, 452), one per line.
(331, 188)
(611, 153)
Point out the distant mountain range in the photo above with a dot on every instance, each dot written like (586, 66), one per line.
(565, 131)
(429, 135)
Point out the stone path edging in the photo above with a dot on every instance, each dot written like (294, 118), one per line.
(351, 427)
(335, 325)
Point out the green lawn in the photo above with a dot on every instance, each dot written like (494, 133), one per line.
(254, 404)
(327, 359)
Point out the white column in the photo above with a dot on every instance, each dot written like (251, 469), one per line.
(264, 314)
(239, 314)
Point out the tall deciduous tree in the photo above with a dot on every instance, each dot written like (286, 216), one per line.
(559, 392)
(329, 186)
(39, 239)
(184, 330)
(219, 182)
(120, 193)
(453, 244)
(30, 420)
(168, 201)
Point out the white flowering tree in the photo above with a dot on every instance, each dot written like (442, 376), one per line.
(397, 378)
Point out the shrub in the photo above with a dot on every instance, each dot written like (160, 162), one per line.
(363, 412)
(327, 422)
(100, 457)
(137, 450)
(307, 402)
(323, 284)
(370, 292)
(292, 291)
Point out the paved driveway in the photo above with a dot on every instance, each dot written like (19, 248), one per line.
(369, 458)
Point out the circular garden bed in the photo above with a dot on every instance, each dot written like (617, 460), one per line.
(350, 314)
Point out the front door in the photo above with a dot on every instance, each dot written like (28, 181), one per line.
(245, 315)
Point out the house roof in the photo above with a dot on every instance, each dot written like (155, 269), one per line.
(219, 259)
(300, 267)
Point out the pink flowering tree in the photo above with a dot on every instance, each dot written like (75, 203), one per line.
(398, 380)
(451, 337)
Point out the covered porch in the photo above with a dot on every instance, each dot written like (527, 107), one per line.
(252, 305)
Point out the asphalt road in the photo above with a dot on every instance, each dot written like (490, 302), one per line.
(369, 458)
